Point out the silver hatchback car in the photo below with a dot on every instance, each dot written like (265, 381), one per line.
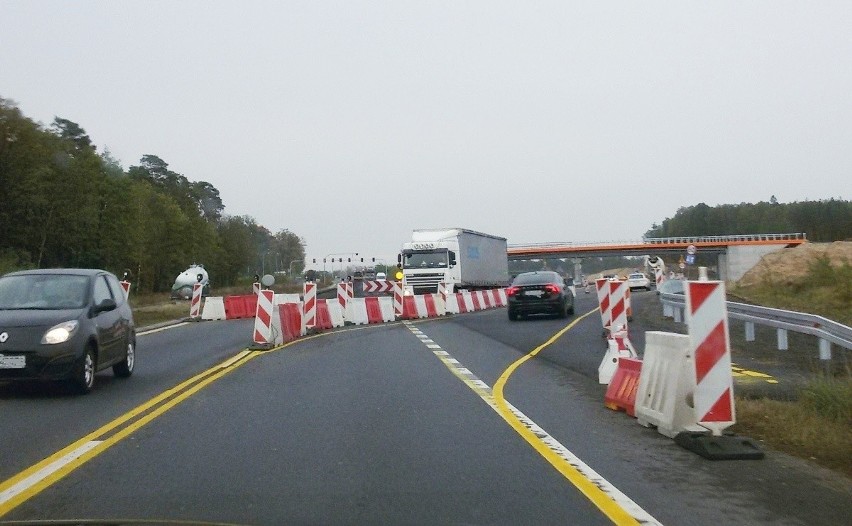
(64, 324)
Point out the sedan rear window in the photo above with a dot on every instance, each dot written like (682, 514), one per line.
(537, 278)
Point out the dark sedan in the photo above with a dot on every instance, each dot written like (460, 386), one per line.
(64, 324)
(542, 292)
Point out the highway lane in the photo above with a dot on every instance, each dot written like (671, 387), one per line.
(361, 427)
(369, 426)
(39, 419)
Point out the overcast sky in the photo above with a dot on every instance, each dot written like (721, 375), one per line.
(352, 123)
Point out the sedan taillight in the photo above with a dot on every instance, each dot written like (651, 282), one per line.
(511, 291)
(553, 289)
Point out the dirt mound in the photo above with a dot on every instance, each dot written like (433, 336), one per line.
(790, 265)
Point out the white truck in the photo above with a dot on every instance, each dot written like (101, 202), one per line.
(465, 259)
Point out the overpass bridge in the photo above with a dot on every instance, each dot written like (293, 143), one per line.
(735, 254)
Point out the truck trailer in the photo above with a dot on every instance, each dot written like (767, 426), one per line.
(465, 259)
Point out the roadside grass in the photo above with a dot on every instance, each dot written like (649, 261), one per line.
(825, 290)
(817, 427)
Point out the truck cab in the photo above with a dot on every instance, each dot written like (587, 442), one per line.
(424, 265)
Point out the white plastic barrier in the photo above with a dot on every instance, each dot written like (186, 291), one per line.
(468, 301)
(356, 311)
(664, 384)
(387, 308)
(453, 304)
(214, 309)
(335, 312)
(440, 305)
(420, 303)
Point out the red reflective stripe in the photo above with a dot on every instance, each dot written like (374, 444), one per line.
(710, 351)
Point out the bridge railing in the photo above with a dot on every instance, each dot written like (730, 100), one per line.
(827, 331)
(738, 238)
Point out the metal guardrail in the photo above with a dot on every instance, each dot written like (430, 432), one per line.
(828, 331)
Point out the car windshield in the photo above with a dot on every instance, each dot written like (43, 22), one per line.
(426, 259)
(637, 276)
(536, 278)
(43, 292)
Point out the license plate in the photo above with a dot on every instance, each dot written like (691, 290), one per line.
(12, 362)
(536, 293)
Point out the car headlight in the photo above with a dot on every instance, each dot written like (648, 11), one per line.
(60, 333)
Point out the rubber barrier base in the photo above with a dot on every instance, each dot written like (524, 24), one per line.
(725, 447)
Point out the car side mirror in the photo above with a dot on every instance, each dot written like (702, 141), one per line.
(106, 305)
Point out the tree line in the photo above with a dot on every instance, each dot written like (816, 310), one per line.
(822, 220)
(64, 204)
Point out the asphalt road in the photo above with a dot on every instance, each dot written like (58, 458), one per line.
(382, 425)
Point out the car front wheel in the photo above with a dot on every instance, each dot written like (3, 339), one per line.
(84, 372)
(124, 368)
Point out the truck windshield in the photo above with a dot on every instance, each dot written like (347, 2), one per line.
(425, 259)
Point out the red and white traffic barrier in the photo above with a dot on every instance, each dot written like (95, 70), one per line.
(707, 318)
(397, 299)
(195, 303)
(310, 305)
(255, 288)
(618, 303)
(263, 318)
(345, 292)
(602, 287)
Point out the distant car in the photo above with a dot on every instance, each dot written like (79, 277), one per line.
(671, 286)
(64, 324)
(542, 292)
(638, 280)
(381, 276)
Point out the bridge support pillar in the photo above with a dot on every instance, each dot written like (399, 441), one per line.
(578, 270)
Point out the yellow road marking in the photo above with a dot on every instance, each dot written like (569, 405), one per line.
(603, 501)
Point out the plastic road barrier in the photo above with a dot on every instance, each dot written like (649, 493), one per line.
(665, 384)
(195, 303)
(214, 309)
(621, 393)
(263, 318)
(310, 305)
(602, 286)
(707, 317)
